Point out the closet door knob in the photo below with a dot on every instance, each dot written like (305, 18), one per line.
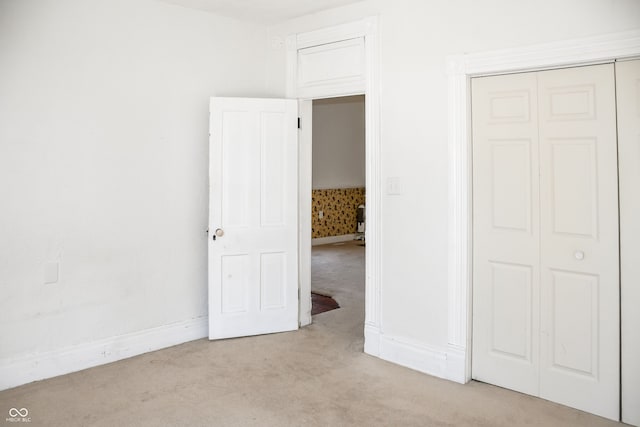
(579, 255)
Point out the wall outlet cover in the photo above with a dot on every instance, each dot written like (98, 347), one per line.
(50, 272)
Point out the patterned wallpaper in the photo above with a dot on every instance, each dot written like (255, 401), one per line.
(340, 207)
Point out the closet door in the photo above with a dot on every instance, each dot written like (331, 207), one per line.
(628, 89)
(579, 345)
(506, 263)
(545, 229)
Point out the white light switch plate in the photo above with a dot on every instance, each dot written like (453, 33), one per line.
(394, 185)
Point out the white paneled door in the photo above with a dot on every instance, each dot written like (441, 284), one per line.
(506, 225)
(546, 257)
(580, 278)
(253, 226)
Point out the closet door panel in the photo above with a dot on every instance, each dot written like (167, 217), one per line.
(506, 236)
(579, 239)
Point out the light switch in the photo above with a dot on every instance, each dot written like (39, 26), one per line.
(394, 185)
(321, 214)
(50, 272)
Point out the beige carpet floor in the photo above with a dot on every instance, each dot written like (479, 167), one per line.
(317, 376)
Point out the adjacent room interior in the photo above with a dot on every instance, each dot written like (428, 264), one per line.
(338, 204)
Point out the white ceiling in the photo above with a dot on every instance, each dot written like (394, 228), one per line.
(261, 11)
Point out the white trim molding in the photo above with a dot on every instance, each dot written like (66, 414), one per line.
(368, 29)
(460, 70)
(439, 362)
(25, 369)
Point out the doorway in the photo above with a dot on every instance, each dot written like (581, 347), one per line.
(337, 206)
(316, 69)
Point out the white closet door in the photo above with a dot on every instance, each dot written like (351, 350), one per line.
(506, 232)
(545, 207)
(580, 321)
(628, 90)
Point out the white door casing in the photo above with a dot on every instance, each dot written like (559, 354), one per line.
(628, 97)
(253, 260)
(305, 163)
(332, 69)
(352, 78)
(546, 284)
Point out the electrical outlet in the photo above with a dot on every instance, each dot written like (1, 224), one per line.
(321, 214)
(50, 272)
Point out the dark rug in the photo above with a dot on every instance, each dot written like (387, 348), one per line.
(322, 303)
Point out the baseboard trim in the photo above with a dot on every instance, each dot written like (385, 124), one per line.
(456, 365)
(413, 355)
(447, 363)
(372, 340)
(332, 239)
(18, 371)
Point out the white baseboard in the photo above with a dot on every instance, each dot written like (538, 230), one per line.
(425, 359)
(23, 370)
(372, 340)
(447, 363)
(456, 365)
(332, 239)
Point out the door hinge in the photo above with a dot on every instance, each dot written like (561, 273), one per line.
(298, 122)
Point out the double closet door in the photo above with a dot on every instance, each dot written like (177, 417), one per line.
(546, 251)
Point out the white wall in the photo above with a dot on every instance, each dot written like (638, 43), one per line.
(338, 143)
(104, 163)
(415, 39)
(103, 151)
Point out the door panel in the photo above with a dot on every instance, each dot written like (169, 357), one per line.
(511, 185)
(273, 150)
(505, 227)
(579, 348)
(628, 97)
(511, 311)
(236, 192)
(234, 284)
(273, 281)
(574, 182)
(253, 263)
(574, 307)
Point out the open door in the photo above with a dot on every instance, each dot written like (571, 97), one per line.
(253, 217)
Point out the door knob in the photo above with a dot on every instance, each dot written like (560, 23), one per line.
(218, 233)
(579, 255)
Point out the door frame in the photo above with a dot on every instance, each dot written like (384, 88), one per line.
(460, 70)
(368, 29)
